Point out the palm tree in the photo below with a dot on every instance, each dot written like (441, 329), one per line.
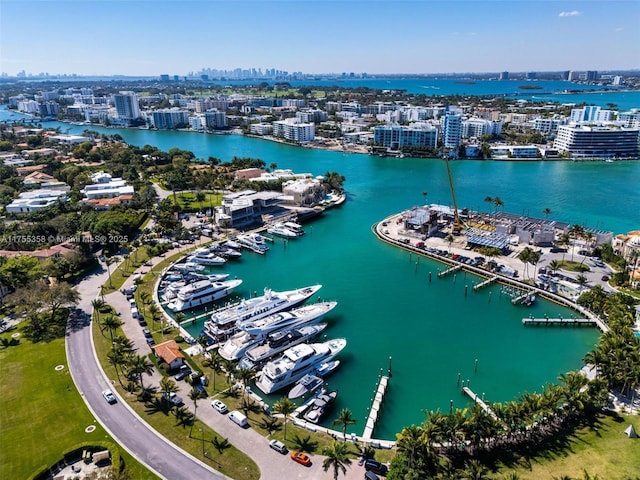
(245, 375)
(154, 311)
(229, 367)
(474, 470)
(449, 239)
(97, 305)
(337, 458)
(111, 323)
(108, 261)
(581, 280)
(489, 200)
(285, 407)
(167, 387)
(194, 395)
(555, 265)
(214, 362)
(525, 256)
(139, 365)
(345, 418)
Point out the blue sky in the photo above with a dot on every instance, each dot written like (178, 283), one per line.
(151, 37)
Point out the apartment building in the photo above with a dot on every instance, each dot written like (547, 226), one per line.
(394, 137)
(597, 141)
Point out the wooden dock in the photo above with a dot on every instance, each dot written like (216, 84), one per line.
(467, 391)
(449, 270)
(488, 281)
(578, 322)
(375, 408)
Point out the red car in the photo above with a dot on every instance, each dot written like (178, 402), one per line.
(301, 457)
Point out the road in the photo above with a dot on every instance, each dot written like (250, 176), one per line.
(160, 456)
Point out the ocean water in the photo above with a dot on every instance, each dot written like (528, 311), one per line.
(386, 305)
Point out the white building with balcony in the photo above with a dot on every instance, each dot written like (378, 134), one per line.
(35, 200)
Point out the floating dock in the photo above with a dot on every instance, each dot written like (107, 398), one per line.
(467, 391)
(375, 408)
(449, 270)
(520, 298)
(488, 281)
(560, 321)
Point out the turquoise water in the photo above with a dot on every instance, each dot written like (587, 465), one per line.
(386, 304)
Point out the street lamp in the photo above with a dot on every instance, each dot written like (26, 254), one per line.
(204, 454)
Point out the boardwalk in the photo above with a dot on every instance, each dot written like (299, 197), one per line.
(375, 408)
(467, 391)
(487, 282)
(455, 268)
(560, 321)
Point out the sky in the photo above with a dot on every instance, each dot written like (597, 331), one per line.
(152, 37)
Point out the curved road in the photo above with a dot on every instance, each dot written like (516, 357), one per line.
(139, 439)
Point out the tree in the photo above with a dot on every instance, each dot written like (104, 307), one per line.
(449, 239)
(59, 295)
(285, 407)
(337, 458)
(194, 395)
(139, 365)
(345, 418)
(245, 375)
(214, 362)
(110, 323)
(525, 256)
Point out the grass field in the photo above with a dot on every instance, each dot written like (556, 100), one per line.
(604, 451)
(187, 201)
(42, 414)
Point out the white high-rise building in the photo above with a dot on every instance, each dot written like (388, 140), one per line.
(127, 105)
(600, 142)
(451, 130)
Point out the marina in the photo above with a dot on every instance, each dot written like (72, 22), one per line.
(376, 405)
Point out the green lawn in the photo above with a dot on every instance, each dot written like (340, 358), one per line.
(187, 201)
(574, 266)
(604, 451)
(42, 414)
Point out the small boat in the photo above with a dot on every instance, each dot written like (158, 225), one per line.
(305, 385)
(320, 406)
(327, 368)
(528, 300)
(295, 228)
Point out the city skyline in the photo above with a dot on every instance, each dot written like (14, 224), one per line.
(89, 37)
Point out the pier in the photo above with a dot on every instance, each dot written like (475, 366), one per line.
(449, 270)
(579, 322)
(375, 408)
(488, 281)
(520, 298)
(467, 391)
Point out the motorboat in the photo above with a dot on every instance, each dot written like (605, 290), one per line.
(202, 292)
(320, 406)
(305, 385)
(528, 300)
(278, 342)
(188, 267)
(295, 228)
(236, 345)
(231, 244)
(224, 321)
(204, 257)
(280, 230)
(254, 242)
(327, 368)
(224, 251)
(305, 315)
(296, 362)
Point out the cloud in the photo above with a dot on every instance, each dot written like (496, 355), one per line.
(572, 13)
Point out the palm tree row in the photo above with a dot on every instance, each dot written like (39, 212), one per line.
(445, 443)
(529, 256)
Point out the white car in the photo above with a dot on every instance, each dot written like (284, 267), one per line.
(219, 406)
(109, 396)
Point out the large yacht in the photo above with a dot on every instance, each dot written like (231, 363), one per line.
(238, 344)
(254, 242)
(201, 293)
(280, 230)
(224, 321)
(304, 315)
(204, 257)
(278, 342)
(296, 362)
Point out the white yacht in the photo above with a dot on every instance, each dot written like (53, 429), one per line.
(296, 362)
(305, 315)
(295, 228)
(254, 242)
(204, 257)
(188, 267)
(201, 293)
(305, 385)
(278, 342)
(224, 321)
(280, 230)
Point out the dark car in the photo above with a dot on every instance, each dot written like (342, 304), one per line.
(183, 373)
(370, 476)
(375, 467)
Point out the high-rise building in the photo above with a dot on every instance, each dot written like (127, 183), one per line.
(451, 130)
(504, 75)
(127, 106)
(592, 76)
(589, 141)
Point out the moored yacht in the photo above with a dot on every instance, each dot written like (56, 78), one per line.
(280, 230)
(204, 257)
(306, 384)
(201, 293)
(296, 362)
(320, 406)
(294, 227)
(224, 321)
(188, 267)
(304, 315)
(254, 242)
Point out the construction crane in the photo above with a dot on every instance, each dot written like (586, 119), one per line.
(457, 223)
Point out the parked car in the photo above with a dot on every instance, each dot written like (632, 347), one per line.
(301, 457)
(278, 446)
(184, 371)
(219, 406)
(605, 278)
(147, 332)
(173, 398)
(376, 467)
(109, 396)
(370, 476)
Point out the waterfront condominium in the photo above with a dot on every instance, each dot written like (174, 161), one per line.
(451, 130)
(127, 106)
(396, 136)
(593, 141)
